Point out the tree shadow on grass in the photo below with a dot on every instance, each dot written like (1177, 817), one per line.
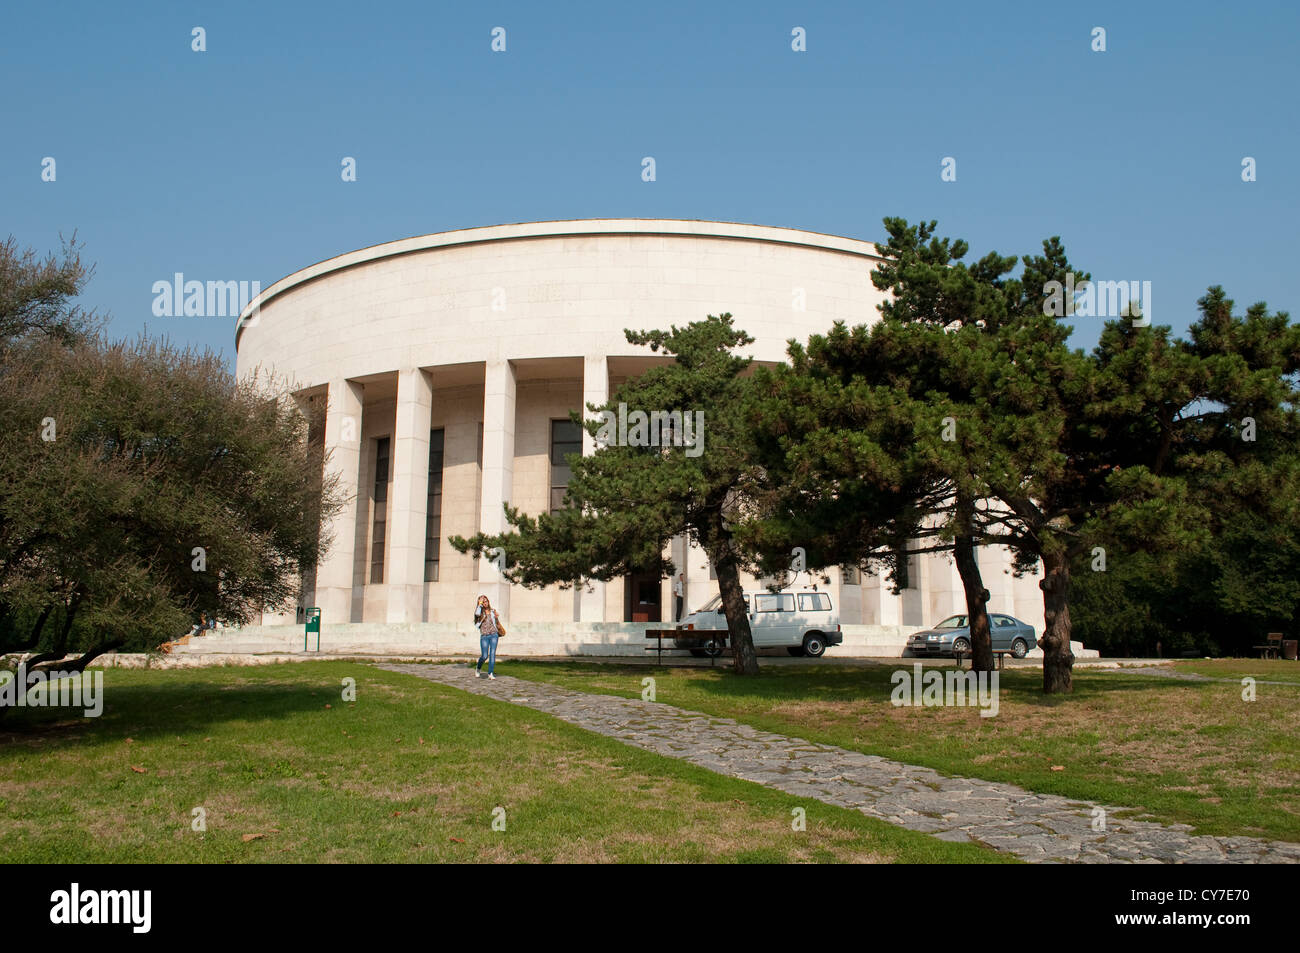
(166, 709)
(866, 683)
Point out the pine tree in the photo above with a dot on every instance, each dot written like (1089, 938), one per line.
(626, 501)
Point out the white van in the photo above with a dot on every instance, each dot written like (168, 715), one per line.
(803, 622)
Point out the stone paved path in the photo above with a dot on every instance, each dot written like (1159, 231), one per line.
(1034, 827)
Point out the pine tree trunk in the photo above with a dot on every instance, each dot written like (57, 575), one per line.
(744, 658)
(977, 597)
(1058, 660)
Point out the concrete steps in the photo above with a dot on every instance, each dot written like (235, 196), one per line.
(434, 639)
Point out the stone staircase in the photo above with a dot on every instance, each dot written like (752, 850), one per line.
(434, 639)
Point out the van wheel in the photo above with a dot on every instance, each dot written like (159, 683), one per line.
(713, 648)
(1019, 648)
(795, 650)
(813, 645)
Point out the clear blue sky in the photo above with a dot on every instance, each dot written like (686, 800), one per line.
(225, 165)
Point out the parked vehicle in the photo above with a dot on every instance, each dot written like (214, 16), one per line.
(952, 635)
(803, 622)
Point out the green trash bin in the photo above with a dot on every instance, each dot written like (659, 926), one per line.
(313, 625)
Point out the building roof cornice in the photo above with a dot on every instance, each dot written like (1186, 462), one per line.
(573, 228)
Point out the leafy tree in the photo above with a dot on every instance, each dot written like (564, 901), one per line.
(625, 502)
(1226, 432)
(36, 294)
(139, 484)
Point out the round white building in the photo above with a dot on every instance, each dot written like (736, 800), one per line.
(449, 364)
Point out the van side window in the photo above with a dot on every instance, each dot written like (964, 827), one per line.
(774, 602)
(814, 602)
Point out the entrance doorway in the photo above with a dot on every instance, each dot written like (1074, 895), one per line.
(641, 597)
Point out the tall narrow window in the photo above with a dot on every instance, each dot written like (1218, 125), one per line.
(478, 493)
(433, 517)
(566, 438)
(912, 575)
(378, 535)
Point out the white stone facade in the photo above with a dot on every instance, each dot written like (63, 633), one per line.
(490, 334)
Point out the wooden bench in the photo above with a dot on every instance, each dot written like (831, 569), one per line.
(1272, 648)
(1000, 653)
(702, 637)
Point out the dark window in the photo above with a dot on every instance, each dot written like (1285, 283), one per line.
(910, 564)
(566, 439)
(433, 512)
(478, 493)
(377, 536)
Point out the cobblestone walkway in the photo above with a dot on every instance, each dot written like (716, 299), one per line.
(1034, 827)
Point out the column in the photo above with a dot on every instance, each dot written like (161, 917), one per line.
(945, 592)
(912, 599)
(498, 471)
(879, 604)
(334, 576)
(407, 517)
(595, 390)
(994, 562)
(699, 587)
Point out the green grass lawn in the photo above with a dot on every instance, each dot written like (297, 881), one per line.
(1272, 670)
(412, 771)
(1178, 751)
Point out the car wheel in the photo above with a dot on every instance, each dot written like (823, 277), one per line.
(713, 648)
(961, 647)
(698, 653)
(813, 645)
(1019, 648)
(795, 650)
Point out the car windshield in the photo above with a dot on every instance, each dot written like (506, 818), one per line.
(952, 622)
(715, 604)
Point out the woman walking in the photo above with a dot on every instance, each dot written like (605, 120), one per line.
(489, 629)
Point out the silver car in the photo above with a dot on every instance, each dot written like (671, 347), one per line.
(952, 636)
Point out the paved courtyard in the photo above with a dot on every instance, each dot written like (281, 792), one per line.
(1033, 827)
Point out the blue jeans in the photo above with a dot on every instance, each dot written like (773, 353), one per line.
(487, 652)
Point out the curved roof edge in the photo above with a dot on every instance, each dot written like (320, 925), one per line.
(558, 229)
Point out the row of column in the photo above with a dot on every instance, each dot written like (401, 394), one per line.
(337, 587)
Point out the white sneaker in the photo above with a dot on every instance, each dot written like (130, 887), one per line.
(492, 677)
(477, 673)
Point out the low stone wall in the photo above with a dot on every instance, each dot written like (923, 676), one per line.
(433, 639)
